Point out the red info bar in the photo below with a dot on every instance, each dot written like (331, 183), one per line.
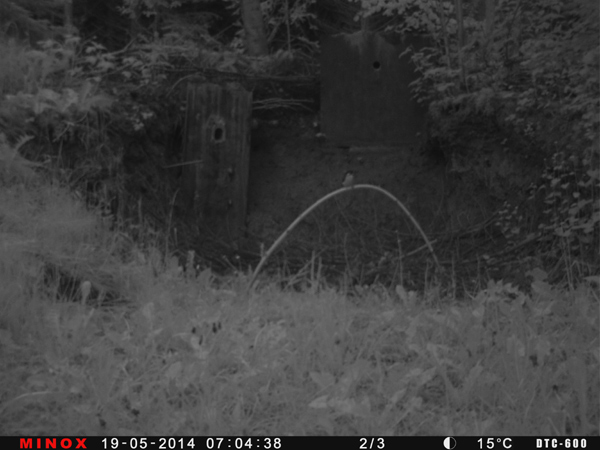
(52, 443)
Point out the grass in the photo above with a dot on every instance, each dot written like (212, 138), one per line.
(155, 350)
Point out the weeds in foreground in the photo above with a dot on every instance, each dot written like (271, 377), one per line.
(197, 354)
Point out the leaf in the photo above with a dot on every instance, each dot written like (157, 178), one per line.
(174, 371)
(322, 379)
(542, 349)
(593, 279)
(537, 274)
(352, 407)
(397, 396)
(471, 380)
(319, 402)
(205, 277)
(543, 289)
(402, 293)
(515, 346)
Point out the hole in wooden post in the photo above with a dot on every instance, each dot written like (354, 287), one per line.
(218, 134)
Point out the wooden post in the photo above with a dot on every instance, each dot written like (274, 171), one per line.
(217, 150)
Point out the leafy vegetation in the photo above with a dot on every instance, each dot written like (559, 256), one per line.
(532, 66)
(104, 330)
(528, 71)
(199, 354)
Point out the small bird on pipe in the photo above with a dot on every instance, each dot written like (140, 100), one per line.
(348, 180)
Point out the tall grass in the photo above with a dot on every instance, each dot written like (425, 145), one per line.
(197, 354)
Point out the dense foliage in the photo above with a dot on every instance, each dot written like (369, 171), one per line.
(529, 69)
(532, 65)
(103, 105)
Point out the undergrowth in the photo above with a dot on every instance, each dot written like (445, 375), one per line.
(561, 212)
(176, 352)
(102, 334)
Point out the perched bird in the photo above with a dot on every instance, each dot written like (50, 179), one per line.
(348, 180)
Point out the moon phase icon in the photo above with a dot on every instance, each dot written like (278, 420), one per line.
(449, 443)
